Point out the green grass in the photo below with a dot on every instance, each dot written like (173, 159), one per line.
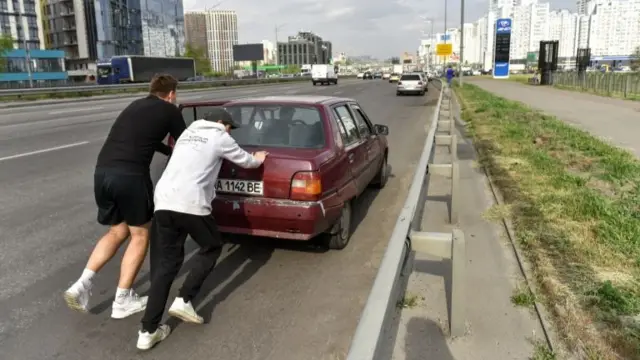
(574, 201)
(409, 301)
(522, 296)
(182, 86)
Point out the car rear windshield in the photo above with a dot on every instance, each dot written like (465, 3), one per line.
(278, 126)
(410, 77)
(271, 125)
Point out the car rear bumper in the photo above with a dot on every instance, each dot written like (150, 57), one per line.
(410, 91)
(275, 218)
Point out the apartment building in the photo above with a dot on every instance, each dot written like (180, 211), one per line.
(195, 26)
(610, 27)
(20, 19)
(217, 32)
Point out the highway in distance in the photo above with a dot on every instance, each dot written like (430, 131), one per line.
(266, 300)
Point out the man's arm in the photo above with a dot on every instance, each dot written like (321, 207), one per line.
(234, 153)
(176, 123)
(163, 149)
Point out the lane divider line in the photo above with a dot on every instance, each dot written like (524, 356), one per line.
(74, 110)
(17, 156)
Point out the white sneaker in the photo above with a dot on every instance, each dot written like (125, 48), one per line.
(128, 305)
(185, 311)
(77, 296)
(146, 341)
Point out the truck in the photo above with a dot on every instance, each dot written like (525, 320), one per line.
(397, 69)
(139, 69)
(324, 74)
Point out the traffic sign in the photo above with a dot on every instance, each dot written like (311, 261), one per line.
(444, 49)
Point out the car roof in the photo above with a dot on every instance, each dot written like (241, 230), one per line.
(282, 99)
(292, 99)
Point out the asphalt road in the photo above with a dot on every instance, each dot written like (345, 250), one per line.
(266, 299)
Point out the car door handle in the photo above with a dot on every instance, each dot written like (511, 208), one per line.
(351, 158)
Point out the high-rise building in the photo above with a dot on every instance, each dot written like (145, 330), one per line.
(20, 19)
(195, 26)
(221, 33)
(90, 30)
(163, 27)
(610, 27)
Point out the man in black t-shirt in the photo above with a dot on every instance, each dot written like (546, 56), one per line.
(124, 192)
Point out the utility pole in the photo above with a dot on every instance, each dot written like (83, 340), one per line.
(27, 53)
(277, 27)
(461, 39)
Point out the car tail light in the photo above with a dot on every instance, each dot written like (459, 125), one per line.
(171, 142)
(419, 82)
(306, 186)
(399, 83)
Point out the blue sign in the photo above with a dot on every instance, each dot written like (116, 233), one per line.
(502, 49)
(446, 37)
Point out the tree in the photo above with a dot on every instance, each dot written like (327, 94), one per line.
(6, 45)
(203, 65)
(635, 60)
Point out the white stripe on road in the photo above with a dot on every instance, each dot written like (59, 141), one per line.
(74, 110)
(43, 151)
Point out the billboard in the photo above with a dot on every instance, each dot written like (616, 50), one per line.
(248, 52)
(501, 54)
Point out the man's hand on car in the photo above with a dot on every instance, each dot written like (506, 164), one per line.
(260, 155)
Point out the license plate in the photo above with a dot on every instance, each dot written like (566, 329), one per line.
(245, 187)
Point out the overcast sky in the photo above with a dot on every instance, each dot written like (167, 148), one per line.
(381, 28)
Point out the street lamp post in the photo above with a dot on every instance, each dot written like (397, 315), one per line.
(461, 39)
(278, 27)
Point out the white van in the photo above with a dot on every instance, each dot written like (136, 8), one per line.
(323, 74)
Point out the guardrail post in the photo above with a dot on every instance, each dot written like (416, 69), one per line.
(451, 171)
(450, 246)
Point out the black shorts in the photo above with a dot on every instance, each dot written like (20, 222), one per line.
(123, 197)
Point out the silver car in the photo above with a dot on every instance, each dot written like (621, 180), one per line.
(411, 83)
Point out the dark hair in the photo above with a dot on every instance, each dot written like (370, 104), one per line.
(162, 84)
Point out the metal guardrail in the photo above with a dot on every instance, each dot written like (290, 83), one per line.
(395, 265)
(143, 86)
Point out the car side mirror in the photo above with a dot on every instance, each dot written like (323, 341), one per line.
(381, 129)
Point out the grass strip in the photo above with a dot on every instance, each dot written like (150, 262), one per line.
(574, 201)
(110, 91)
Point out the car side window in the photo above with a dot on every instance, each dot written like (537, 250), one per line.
(363, 126)
(350, 127)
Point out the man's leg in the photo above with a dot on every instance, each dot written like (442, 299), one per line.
(204, 232)
(136, 204)
(77, 296)
(168, 242)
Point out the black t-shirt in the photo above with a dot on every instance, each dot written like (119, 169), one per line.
(138, 132)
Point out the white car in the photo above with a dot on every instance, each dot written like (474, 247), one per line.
(411, 83)
(386, 76)
(360, 75)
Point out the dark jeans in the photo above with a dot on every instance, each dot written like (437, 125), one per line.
(169, 232)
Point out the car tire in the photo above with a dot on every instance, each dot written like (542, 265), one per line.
(314, 83)
(398, 93)
(382, 177)
(422, 93)
(341, 230)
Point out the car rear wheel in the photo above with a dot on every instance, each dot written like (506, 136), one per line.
(314, 83)
(383, 175)
(341, 230)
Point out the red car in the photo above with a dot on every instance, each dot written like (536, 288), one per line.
(323, 153)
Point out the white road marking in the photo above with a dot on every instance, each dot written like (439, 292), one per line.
(74, 110)
(337, 92)
(43, 151)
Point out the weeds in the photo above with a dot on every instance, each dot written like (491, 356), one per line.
(522, 296)
(574, 201)
(409, 301)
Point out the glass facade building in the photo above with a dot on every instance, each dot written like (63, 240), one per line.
(162, 27)
(47, 68)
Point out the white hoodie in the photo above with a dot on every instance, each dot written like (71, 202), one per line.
(188, 183)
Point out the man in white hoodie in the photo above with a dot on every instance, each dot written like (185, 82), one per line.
(183, 199)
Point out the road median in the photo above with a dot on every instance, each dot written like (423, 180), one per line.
(573, 201)
(69, 92)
